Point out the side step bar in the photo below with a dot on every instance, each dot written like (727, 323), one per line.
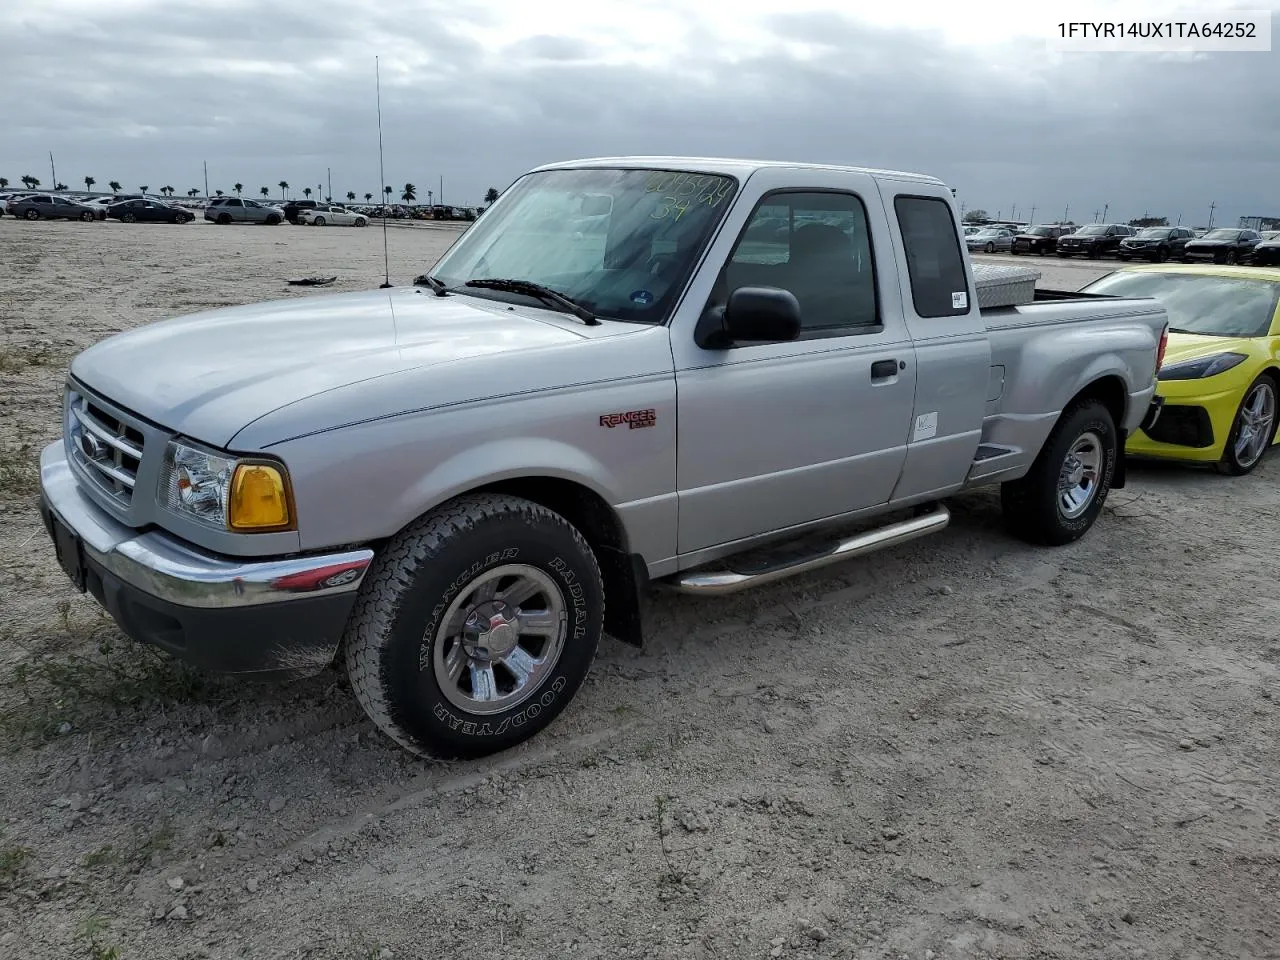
(720, 582)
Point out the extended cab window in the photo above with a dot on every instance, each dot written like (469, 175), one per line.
(816, 246)
(935, 265)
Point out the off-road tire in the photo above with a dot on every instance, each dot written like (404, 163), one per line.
(1030, 503)
(387, 649)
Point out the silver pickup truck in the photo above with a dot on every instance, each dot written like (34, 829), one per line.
(706, 374)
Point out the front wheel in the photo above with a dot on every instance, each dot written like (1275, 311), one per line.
(318, 222)
(989, 248)
(1232, 256)
(1062, 494)
(272, 220)
(362, 222)
(476, 627)
(88, 216)
(32, 214)
(1253, 429)
(129, 218)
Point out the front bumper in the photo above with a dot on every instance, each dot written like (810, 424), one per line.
(270, 618)
(1193, 424)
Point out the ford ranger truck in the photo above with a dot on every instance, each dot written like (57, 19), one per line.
(703, 374)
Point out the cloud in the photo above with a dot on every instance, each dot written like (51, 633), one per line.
(144, 92)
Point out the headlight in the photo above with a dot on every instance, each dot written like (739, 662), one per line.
(1200, 368)
(224, 492)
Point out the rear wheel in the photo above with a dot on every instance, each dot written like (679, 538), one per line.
(129, 218)
(1232, 256)
(32, 214)
(1063, 255)
(1062, 494)
(1253, 430)
(88, 216)
(318, 221)
(224, 218)
(476, 627)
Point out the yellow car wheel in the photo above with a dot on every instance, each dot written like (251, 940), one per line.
(1252, 430)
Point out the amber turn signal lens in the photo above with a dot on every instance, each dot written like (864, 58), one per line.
(259, 499)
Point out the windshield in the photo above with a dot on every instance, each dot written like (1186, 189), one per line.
(1221, 235)
(1154, 233)
(619, 242)
(1212, 306)
(1270, 234)
(1091, 231)
(1041, 231)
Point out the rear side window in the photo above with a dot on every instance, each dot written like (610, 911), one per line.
(935, 265)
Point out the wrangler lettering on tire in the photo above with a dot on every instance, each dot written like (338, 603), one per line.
(476, 626)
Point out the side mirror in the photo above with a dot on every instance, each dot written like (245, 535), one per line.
(752, 315)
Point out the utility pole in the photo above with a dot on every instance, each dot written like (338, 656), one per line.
(962, 210)
(1065, 211)
(1212, 206)
(1031, 222)
(54, 185)
(206, 179)
(1105, 208)
(1013, 213)
(329, 175)
(1179, 223)
(442, 189)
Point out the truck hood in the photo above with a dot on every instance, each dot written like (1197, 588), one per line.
(209, 374)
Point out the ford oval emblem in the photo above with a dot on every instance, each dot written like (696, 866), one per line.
(90, 445)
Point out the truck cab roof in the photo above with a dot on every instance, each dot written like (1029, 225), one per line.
(740, 168)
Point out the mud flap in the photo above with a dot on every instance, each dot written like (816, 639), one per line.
(626, 578)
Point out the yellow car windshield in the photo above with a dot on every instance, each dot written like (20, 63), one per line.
(1197, 303)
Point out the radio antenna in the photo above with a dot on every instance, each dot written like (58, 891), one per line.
(382, 173)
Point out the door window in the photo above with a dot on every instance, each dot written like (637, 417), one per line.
(816, 246)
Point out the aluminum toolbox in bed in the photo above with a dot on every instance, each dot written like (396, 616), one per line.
(1001, 286)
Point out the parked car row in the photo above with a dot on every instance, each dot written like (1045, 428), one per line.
(136, 208)
(1225, 245)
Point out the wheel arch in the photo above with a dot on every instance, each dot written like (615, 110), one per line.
(1111, 391)
(625, 574)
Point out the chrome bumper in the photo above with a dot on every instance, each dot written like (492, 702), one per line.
(171, 570)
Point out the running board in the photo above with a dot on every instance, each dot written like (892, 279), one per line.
(720, 582)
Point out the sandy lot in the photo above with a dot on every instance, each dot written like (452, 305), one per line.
(966, 747)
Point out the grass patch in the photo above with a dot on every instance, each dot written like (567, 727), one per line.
(56, 690)
(93, 930)
(13, 864)
(15, 359)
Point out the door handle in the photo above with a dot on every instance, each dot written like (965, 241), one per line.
(881, 369)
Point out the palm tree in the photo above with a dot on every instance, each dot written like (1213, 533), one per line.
(59, 186)
(4, 182)
(237, 187)
(387, 191)
(144, 190)
(306, 192)
(192, 192)
(218, 192)
(490, 195)
(167, 191)
(283, 185)
(351, 195)
(264, 191)
(89, 182)
(368, 197)
(115, 186)
(30, 181)
(410, 193)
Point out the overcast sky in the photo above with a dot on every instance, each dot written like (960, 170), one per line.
(478, 91)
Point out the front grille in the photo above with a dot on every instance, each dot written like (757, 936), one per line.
(107, 448)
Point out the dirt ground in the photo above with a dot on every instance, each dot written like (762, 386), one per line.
(965, 747)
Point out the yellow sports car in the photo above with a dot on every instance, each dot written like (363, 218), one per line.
(1221, 373)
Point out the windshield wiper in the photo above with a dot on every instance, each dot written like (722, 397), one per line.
(438, 286)
(546, 294)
